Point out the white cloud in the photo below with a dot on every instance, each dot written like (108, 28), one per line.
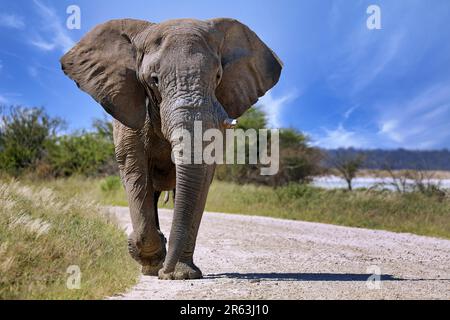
(340, 138)
(377, 62)
(349, 112)
(53, 35)
(362, 60)
(273, 107)
(418, 122)
(43, 45)
(11, 21)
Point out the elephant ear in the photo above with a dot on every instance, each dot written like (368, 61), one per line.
(250, 68)
(103, 64)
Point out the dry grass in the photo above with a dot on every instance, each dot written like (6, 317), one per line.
(436, 174)
(43, 232)
(411, 212)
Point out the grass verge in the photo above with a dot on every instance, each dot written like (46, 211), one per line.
(412, 212)
(43, 232)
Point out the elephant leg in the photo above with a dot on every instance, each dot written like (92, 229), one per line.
(156, 196)
(185, 268)
(146, 243)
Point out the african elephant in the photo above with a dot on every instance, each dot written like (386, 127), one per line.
(154, 78)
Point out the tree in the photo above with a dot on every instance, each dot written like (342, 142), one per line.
(82, 153)
(24, 133)
(298, 160)
(347, 164)
(104, 128)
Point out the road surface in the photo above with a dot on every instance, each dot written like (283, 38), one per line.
(249, 257)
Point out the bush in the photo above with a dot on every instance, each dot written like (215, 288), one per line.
(82, 153)
(111, 183)
(24, 134)
(29, 143)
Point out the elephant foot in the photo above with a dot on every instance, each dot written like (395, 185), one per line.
(151, 260)
(182, 271)
(152, 270)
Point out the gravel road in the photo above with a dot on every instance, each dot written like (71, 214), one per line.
(249, 257)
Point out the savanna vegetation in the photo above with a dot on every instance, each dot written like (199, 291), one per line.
(54, 183)
(59, 245)
(412, 212)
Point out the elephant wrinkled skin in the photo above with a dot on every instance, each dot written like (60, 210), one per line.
(157, 78)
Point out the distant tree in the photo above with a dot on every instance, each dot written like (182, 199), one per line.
(348, 165)
(298, 160)
(104, 128)
(24, 133)
(399, 159)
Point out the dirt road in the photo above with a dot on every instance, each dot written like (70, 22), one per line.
(248, 257)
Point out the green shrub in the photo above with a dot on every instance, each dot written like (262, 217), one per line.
(111, 183)
(82, 153)
(24, 134)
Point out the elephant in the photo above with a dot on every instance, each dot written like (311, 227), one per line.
(154, 78)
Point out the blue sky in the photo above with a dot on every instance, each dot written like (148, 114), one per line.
(342, 84)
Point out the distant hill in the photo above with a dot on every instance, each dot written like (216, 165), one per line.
(396, 159)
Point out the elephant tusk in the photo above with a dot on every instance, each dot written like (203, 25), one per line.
(230, 123)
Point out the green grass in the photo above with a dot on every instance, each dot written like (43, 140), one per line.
(44, 231)
(47, 226)
(413, 212)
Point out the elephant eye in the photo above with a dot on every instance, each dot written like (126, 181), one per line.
(218, 76)
(155, 79)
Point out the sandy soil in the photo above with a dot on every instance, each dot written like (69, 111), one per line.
(248, 257)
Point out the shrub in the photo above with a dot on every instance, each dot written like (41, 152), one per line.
(111, 183)
(24, 133)
(82, 153)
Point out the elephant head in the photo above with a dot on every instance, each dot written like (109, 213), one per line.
(175, 72)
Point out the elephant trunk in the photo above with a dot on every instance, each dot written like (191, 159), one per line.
(192, 184)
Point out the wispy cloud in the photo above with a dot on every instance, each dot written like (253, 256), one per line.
(274, 106)
(11, 21)
(340, 137)
(362, 60)
(420, 121)
(349, 112)
(3, 100)
(372, 67)
(53, 34)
